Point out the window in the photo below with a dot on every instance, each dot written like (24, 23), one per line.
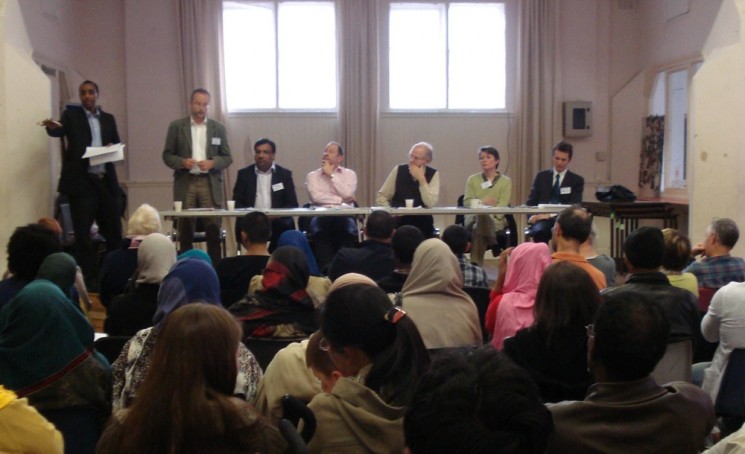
(446, 55)
(280, 55)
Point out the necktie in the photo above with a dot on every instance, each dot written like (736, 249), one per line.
(555, 190)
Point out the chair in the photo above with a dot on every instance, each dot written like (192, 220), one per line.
(505, 238)
(480, 296)
(294, 410)
(264, 349)
(705, 294)
(110, 346)
(200, 236)
(730, 402)
(81, 427)
(675, 364)
(704, 349)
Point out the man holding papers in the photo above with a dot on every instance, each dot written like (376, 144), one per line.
(92, 190)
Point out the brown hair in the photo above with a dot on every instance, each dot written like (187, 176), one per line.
(317, 359)
(186, 393)
(677, 252)
(51, 224)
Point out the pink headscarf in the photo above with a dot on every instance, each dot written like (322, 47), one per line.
(524, 270)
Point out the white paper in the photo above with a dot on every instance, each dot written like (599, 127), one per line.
(102, 155)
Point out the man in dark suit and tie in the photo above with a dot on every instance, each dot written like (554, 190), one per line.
(265, 185)
(197, 150)
(556, 186)
(92, 191)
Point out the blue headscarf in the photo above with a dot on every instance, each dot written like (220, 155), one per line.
(189, 281)
(196, 254)
(297, 239)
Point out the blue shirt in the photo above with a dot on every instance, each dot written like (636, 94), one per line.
(716, 272)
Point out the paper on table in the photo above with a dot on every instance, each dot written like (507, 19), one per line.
(102, 155)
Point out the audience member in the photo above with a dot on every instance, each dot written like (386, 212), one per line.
(405, 241)
(189, 281)
(456, 237)
(378, 351)
(320, 364)
(28, 246)
(642, 252)
(557, 185)
(282, 308)
(572, 228)
(235, 273)
(318, 285)
(626, 410)
(600, 261)
(724, 322)
(512, 309)
(675, 258)
(476, 403)
(185, 402)
(119, 265)
(718, 268)
(732, 444)
(266, 185)
(487, 188)
(287, 373)
(196, 254)
(433, 297)
(134, 310)
(61, 270)
(46, 352)
(373, 257)
(332, 186)
(53, 225)
(24, 430)
(554, 349)
(416, 181)
(197, 150)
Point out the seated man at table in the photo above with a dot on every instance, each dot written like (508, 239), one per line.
(557, 185)
(235, 273)
(626, 410)
(416, 181)
(264, 185)
(718, 268)
(331, 186)
(374, 256)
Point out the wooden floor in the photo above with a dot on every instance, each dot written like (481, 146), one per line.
(97, 314)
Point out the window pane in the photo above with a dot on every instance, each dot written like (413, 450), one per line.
(250, 57)
(476, 65)
(417, 56)
(675, 167)
(307, 55)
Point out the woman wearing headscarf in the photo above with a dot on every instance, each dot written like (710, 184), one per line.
(46, 352)
(318, 285)
(189, 281)
(282, 308)
(433, 297)
(134, 310)
(513, 309)
(61, 270)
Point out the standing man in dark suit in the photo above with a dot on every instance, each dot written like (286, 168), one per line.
(557, 186)
(93, 191)
(197, 150)
(264, 185)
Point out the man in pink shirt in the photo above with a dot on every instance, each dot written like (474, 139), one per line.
(331, 186)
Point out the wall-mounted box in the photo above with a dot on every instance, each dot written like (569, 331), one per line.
(577, 119)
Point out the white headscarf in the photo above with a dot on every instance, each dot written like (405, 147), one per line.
(155, 257)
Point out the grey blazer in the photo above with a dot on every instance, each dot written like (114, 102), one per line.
(178, 147)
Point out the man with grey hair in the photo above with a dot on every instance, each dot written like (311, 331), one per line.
(717, 267)
(416, 181)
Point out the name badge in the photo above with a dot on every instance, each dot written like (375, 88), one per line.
(216, 141)
(485, 185)
(277, 187)
(566, 191)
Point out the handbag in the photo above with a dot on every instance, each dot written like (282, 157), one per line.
(614, 193)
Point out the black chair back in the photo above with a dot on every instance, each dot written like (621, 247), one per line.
(80, 427)
(294, 410)
(110, 346)
(731, 398)
(480, 296)
(264, 349)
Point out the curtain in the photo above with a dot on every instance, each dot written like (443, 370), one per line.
(358, 90)
(201, 58)
(537, 74)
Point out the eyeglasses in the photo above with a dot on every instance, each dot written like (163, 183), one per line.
(590, 330)
(324, 345)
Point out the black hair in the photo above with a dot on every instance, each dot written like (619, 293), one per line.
(726, 231)
(257, 226)
(564, 147)
(264, 141)
(490, 150)
(575, 223)
(477, 402)
(358, 316)
(201, 91)
(28, 246)
(405, 241)
(457, 238)
(380, 224)
(644, 248)
(89, 82)
(631, 335)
